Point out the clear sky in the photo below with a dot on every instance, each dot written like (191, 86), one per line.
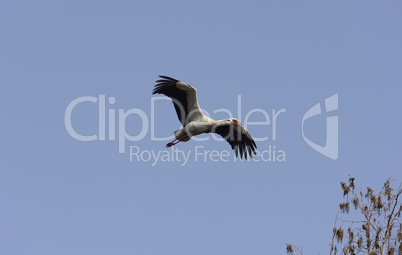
(60, 195)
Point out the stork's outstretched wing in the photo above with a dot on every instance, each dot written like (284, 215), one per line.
(184, 98)
(238, 137)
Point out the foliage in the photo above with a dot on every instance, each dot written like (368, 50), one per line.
(379, 231)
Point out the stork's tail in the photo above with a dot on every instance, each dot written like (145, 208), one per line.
(181, 135)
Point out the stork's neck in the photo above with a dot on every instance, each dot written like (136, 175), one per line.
(213, 123)
(206, 123)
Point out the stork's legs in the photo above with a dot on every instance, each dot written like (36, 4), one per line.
(174, 142)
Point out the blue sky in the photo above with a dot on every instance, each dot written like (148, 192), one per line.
(63, 196)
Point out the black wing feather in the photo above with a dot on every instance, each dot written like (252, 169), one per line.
(241, 142)
(167, 86)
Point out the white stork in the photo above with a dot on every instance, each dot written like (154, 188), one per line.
(194, 121)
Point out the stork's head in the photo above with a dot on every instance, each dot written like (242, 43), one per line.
(234, 122)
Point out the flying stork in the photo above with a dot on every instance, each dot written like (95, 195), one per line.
(194, 121)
